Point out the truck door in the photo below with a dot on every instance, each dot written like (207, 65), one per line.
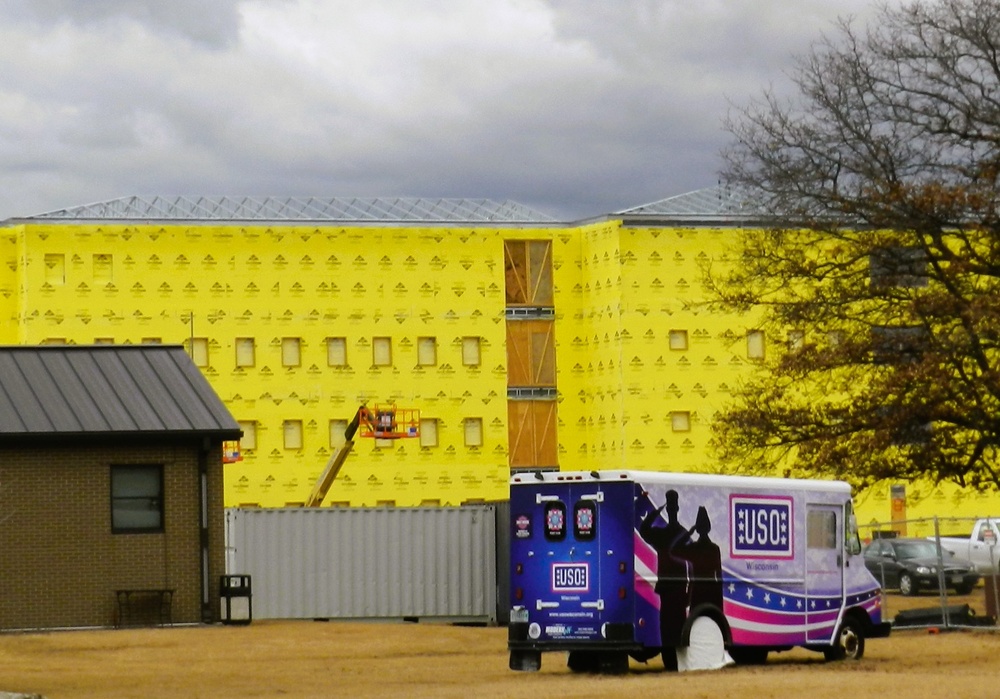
(983, 548)
(572, 602)
(824, 570)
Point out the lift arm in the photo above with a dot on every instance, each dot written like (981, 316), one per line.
(335, 463)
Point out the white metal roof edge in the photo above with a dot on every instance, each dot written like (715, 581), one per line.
(680, 479)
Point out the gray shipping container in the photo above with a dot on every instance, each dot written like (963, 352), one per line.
(362, 563)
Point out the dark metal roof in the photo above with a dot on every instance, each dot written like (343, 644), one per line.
(107, 391)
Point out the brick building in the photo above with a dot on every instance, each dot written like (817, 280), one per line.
(110, 480)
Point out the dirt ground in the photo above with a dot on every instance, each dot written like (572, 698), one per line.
(378, 659)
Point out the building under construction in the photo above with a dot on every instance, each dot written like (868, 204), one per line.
(511, 340)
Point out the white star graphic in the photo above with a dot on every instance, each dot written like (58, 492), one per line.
(732, 588)
(767, 598)
(749, 593)
(782, 601)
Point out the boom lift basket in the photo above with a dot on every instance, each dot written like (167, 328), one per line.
(389, 422)
(231, 452)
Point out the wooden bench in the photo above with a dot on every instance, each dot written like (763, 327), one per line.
(144, 607)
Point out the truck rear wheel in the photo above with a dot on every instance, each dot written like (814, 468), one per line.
(525, 660)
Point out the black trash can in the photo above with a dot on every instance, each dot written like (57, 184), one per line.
(236, 599)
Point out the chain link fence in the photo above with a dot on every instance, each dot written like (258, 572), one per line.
(937, 572)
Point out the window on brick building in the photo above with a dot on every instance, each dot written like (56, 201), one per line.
(137, 498)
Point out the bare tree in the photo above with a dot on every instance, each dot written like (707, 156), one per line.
(880, 180)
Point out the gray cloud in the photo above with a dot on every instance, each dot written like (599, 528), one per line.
(574, 107)
(212, 24)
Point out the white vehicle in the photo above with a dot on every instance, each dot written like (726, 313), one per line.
(701, 569)
(979, 547)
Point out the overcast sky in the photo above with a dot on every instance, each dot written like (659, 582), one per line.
(573, 107)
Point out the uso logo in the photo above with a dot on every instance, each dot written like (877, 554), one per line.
(570, 577)
(760, 527)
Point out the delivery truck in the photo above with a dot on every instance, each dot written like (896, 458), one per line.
(702, 570)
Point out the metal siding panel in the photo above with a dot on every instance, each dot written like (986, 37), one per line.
(367, 563)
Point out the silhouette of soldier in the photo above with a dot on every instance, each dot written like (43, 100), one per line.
(672, 573)
(706, 564)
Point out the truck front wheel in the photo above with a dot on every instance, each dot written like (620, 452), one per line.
(849, 643)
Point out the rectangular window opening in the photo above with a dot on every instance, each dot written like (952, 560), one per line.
(291, 351)
(137, 499)
(474, 432)
(680, 421)
(382, 351)
(426, 351)
(249, 439)
(336, 351)
(428, 432)
(245, 353)
(198, 347)
(292, 430)
(755, 344)
(471, 351)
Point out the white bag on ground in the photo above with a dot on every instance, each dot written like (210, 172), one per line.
(706, 650)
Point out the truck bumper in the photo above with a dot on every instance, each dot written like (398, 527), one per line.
(618, 637)
(881, 630)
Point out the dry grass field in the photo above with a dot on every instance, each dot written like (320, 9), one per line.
(329, 659)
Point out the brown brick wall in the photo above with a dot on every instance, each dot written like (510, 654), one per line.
(60, 562)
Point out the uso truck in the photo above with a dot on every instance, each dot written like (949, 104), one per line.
(701, 569)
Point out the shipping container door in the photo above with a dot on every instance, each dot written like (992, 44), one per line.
(824, 570)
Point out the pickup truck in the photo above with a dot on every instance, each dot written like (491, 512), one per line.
(980, 547)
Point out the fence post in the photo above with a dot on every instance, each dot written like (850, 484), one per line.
(942, 589)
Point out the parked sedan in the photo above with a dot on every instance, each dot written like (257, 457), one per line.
(911, 565)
